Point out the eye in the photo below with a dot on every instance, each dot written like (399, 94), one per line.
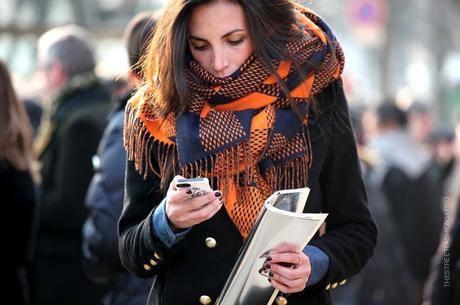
(236, 42)
(200, 47)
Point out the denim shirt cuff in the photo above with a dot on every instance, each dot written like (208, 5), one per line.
(162, 230)
(319, 264)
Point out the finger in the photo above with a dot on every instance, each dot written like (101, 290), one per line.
(293, 258)
(299, 283)
(202, 201)
(283, 288)
(191, 214)
(214, 208)
(188, 217)
(179, 196)
(285, 247)
(208, 206)
(206, 212)
(301, 272)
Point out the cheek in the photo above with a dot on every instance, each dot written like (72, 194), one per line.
(243, 54)
(204, 58)
(49, 79)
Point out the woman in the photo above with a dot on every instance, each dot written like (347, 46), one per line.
(16, 187)
(248, 94)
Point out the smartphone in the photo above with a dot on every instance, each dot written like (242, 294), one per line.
(199, 186)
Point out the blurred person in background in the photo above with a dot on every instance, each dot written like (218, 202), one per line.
(442, 145)
(387, 278)
(443, 285)
(69, 134)
(369, 125)
(118, 87)
(105, 194)
(410, 189)
(17, 190)
(419, 122)
(366, 156)
(34, 112)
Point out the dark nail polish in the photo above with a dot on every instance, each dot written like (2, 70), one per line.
(264, 272)
(189, 191)
(270, 280)
(267, 266)
(270, 274)
(269, 258)
(218, 194)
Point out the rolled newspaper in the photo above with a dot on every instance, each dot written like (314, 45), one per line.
(280, 220)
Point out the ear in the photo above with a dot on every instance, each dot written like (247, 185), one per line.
(60, 74)
(134, 80)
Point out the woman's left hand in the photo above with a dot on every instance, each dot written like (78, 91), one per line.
(288, 268)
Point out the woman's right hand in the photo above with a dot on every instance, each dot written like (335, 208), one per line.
(184, 212)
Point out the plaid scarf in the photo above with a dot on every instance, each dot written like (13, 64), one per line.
(241, 131)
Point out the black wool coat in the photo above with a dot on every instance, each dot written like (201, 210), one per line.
(191, 269)
(19, 206)
(66, 170)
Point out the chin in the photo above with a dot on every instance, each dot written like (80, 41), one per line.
(222, 75)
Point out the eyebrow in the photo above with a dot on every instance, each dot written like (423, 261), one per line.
(224, 36)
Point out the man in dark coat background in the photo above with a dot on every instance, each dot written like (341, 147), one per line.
(68, 138)
(409, 187)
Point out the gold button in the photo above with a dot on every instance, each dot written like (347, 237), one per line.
(205, 300)
(343, 282)
(281, 300)
(153, 263)
(210, 242)
(328, 286)
(157, 256)
(147, 267)
(334, 285)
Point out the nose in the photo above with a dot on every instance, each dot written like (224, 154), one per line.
(221, 61)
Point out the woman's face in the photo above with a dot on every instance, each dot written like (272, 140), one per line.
(219, 38)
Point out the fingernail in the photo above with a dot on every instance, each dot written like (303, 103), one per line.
(189, 191)
(267, 266)
(218, 194)
(270, 274)
(270, 280)
(269, 258)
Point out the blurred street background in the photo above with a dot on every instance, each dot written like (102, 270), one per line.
(409, 49)
(402, 81)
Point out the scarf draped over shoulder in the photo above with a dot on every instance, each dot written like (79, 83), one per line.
(241, 131)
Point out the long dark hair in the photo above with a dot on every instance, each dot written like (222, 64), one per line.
(15, 129)
(270, 26)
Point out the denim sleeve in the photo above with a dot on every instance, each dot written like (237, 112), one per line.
(162, 229)
(319, 264)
